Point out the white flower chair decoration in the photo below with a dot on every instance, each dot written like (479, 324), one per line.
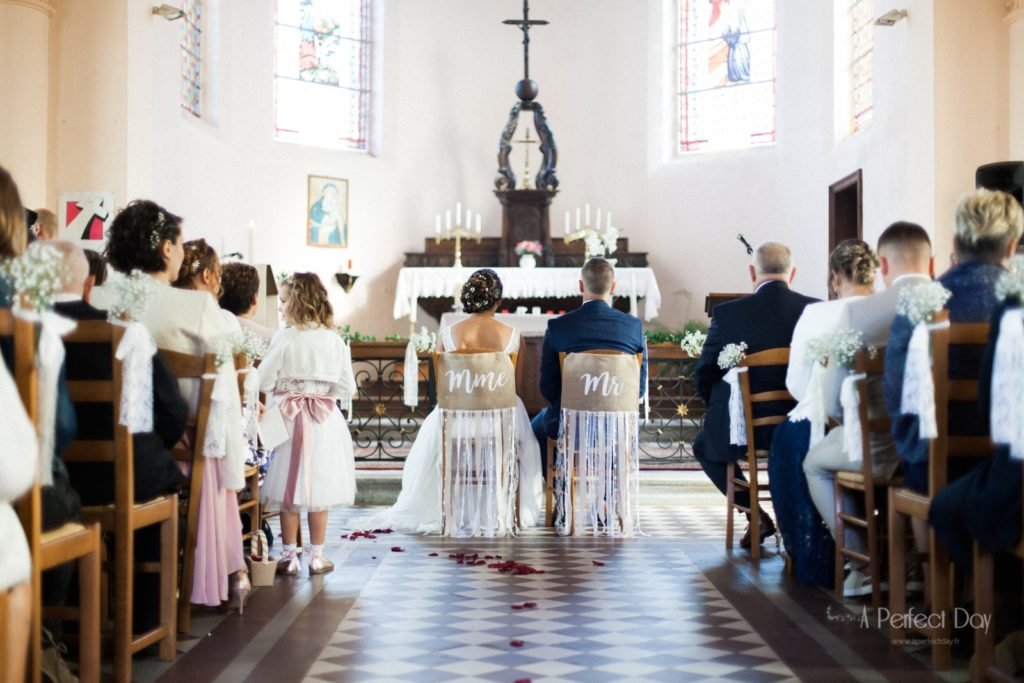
(598, 449)
(476, 397)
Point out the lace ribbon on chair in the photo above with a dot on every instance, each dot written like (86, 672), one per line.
(411, 376)
(918, 397)
(812, 406)
(605, 472)
(849, 399)
(49, 360)
(481, 472)
(250, 403)
(737, 420)
(136, 352)
(1007, 409)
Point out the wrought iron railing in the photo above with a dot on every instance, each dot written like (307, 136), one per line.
(383, 428)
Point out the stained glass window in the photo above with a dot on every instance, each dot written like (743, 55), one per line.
(191, 56)
(322, 72)
(726, 74)
(862, 45)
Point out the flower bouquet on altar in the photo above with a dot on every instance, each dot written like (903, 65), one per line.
(528, 251)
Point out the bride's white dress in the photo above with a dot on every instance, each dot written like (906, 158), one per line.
(418, 508)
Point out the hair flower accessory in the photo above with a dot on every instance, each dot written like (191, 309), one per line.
(919, 302)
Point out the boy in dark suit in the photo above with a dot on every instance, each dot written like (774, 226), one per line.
(764, 320)
(594, 325)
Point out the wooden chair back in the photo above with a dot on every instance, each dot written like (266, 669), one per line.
(126, 515)
(71, 542)
(201, 369)
(777, 357)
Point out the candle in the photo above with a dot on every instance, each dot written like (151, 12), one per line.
(448, 220)
(350, 265)
(598, 223)
(469, 219)
(577, 219)
(251, 235)
(458, 214)
(609, 220)
(566, 222)
(478, 224)
(588, 216)
(437, 224)
(413, 305)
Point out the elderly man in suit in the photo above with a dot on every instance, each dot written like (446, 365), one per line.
(905, 256)
(594, 325)
(764, 320)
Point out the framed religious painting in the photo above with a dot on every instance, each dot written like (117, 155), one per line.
(84, 217)
(327, 212)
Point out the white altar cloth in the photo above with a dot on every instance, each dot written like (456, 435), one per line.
(521, 283)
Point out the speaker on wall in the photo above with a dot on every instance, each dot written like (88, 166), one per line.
(1007, 176)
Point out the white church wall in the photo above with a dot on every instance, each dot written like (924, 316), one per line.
(447, 70)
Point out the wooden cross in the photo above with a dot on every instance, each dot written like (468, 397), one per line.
(524, 25)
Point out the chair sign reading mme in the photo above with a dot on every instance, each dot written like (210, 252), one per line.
(475, 381)
(600, 382)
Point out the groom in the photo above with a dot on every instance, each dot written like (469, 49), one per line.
(594, 325)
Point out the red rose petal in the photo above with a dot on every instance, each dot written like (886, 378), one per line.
(598, 563)
(529, 605)
(523, 680)
(516, 606)
(397, 549)
(432, 555)
(516, 643)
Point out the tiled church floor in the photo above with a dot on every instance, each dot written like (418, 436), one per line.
(670, 606)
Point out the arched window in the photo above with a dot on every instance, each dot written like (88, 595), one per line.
(726, 74)
(322, 73)
(861, 26)
(191, 57)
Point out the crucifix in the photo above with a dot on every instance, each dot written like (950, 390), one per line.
(524, 25)
(527, 141)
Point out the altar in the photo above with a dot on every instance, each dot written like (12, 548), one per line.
(631, 284)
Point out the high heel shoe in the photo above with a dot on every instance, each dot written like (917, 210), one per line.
(239, 588)
(318, 564)
(289, 564)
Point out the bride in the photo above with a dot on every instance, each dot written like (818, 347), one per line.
(418, 508)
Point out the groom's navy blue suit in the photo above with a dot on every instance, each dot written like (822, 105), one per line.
(594, 325)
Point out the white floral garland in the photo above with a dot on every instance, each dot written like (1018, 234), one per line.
(424, 341)
(732, 355)
(1011, 283)
(693, 342)
(35, 276)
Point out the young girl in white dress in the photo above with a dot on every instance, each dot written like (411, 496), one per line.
(307, 369)
(418, 508)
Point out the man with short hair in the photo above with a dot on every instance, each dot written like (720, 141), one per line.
(72, 299)
(594, 325)
(905, 259)
(763, 320)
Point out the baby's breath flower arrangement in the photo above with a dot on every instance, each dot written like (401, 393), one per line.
(252, 345)
(844, 345)
(818, 348)
(1011, 284)
(130, 295)
(35, 276)
(424, 341)
(731, 355)
(919, 302)
(693, 342)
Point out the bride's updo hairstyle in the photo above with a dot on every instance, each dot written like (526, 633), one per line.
(136, 235)
(854, 261)
(199, 256)
(307, 301)
(481, 291)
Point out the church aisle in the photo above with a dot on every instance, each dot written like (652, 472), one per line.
(671, 606)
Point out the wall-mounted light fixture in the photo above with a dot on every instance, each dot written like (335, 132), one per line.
(891, 17)
(168, 12)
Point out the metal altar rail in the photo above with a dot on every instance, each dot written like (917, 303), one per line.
(383, 428)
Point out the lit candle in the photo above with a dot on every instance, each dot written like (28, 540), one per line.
(251, 236)
(598, 223)
(437, 224)
(588, 216)
(566, 222)
(478, 224)
(458, 214)
(577, 219)
(448, 220)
